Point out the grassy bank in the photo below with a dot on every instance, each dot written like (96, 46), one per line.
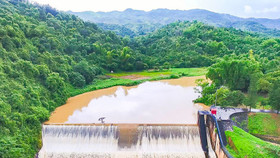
(264, 124)
(246, 145)
(116, 79)
(167, 72)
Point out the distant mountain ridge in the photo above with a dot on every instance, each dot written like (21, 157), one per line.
(161, 17)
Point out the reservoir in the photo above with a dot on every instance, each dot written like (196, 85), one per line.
(158, 102)
(152, 120)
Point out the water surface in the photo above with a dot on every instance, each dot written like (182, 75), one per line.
(165, 99)
(150, 103)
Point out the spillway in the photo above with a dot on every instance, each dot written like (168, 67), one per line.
(121, 141)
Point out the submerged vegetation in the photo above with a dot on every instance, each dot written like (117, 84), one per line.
(47, 56)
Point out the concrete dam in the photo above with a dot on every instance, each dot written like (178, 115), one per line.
(120, 141)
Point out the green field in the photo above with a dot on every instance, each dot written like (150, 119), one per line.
(247, 145)
(155, 73)
(115, 79)
(264, 124)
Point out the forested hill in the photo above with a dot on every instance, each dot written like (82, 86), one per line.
(141, 22)
(194, 44)
(45, 53)
(42, 53)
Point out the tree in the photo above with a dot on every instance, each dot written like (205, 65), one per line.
(263, 85)
(88, 72)
(124, 59)
(221, 96)
(77, 79)
(226, 97)
(207, 92)
(43, 72)
(56, 84)
(233, 72)
(235, 98)
(274, 97)
(253, 91)
(216, 48)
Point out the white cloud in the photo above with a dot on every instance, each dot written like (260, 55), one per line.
(260, 11)
(248, 9)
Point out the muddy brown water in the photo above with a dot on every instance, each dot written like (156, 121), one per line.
(154, 119)
(156, 102)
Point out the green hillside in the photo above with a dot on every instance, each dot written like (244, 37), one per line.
(186, 44)
(44, 54)
(264, 124)
(244, 144)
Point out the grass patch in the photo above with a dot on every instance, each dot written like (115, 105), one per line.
(264, 124)
(154, 76)
(167, 72)
(247, 145)
(106, 83)
(99, 84)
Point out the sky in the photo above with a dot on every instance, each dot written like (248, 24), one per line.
(241, 8)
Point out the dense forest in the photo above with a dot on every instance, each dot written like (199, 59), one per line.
(44, 53)
(130, 30)
(194, 44)
(247, 79)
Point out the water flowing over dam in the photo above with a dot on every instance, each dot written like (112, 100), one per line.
(151, 120)
(120, 141)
